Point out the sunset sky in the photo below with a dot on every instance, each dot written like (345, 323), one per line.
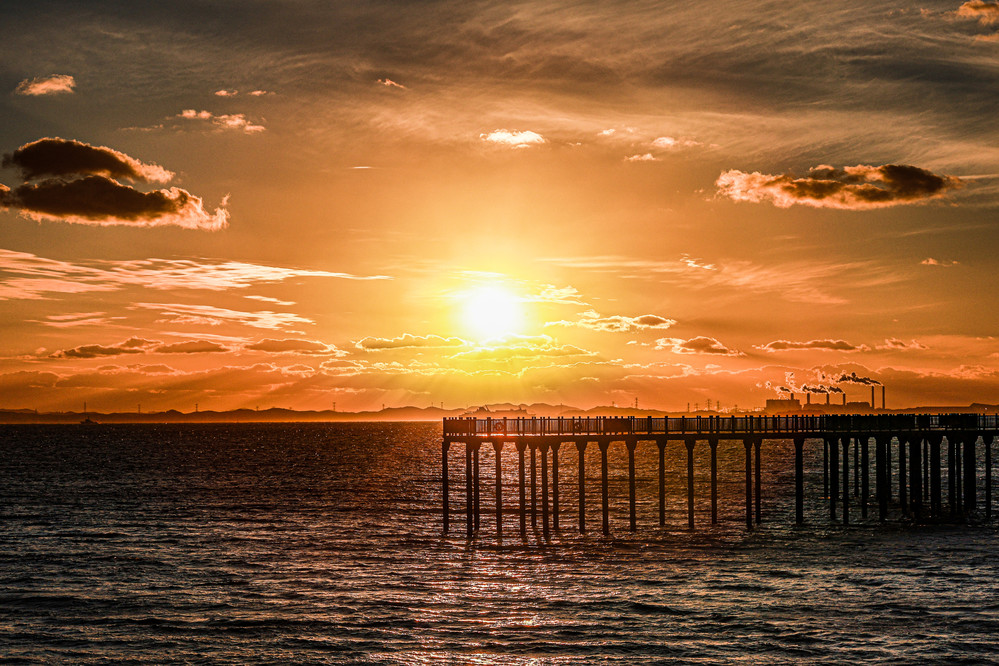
(296, 203)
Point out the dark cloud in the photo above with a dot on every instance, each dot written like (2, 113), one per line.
(852, 188)
(291, 345)
(617, 323)
(409, 340)
(986, 13)
(53, 156)
(826, 345)
(699, 345)
(130, 346)
(95, 197)
(191, 347)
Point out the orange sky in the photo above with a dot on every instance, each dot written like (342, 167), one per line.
(259, 204)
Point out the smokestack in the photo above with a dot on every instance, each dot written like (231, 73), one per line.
(872, 397)
(882, 396)
(808, 398)
(827, 398)
(844, 398)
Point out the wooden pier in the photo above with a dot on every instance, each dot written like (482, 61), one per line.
(920, 440)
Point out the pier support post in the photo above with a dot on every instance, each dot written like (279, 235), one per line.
(533, 446)
(690, 482)
(555, 448)
(661, 443)
(825, 467)
(833, 476)
(445, 507)
(581, 451)
(903, 494)
(475, 483)
(604, 490)
(970, 474)
(916, 464)
(925, 444)
(748, 443)
(887, 461)
(951, 477)
(846, 480)
(498, 449)
(521, 447)
(865, 464)
(987, 442)
(758, 444)
(856, 466)
(883, 471)
(936, 499)
(632, 518)
(544, 489)
(469, 494)
(799, 480)
(713, 443)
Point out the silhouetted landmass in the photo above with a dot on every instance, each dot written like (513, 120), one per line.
(502, 410)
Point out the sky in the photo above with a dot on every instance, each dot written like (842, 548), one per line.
(307, 204)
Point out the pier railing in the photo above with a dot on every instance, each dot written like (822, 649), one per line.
(739, 426)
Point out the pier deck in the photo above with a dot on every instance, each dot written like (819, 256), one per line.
(913, 441)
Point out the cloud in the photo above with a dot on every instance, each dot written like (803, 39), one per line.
(514, 138)
(561, 295)
(389, 83)
(617, 323)
(179, 313)
(73, 319)
(47, 85)
(894, 344)
(130, 346)
(408, 340)
(699, 345)
(671, 143)
(191, 347)
(294, 346)
(823, 345)
(645, 157)
(54, 156)
(930, 261)
(226, 92)
(95, 197)
(28, 276)
(101, 201)
(986, 13)
(851, 188)
(226, 121)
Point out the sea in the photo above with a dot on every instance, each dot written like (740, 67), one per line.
(323, 544)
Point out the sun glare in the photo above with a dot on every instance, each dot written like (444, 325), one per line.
(492, 312)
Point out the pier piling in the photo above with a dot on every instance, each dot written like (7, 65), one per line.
(865, 463)
(846, 480)
(521, 446)
(498, 449)
(661, 444)
(758, 444)
(604, 490)
(555, 509)
(544, 490)
(446, 505)
(713, 443)
(748, 444)
(690, 483)
(632, 519)
(534, 485)
(581, 500)
(799, 480)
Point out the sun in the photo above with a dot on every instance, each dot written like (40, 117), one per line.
(492, 311)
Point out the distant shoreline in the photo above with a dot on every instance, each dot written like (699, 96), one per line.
(411, 414)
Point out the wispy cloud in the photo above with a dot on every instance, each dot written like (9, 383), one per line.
(389, 83)
(294, 346)
(850, 188)
(209, 315)
(47, 85)
(513, 138)
(225, 121)
(28, 276)
(930, 261)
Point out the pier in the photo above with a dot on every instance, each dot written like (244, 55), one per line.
(906, 466)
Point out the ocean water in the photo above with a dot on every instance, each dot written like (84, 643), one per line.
(322, 543)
